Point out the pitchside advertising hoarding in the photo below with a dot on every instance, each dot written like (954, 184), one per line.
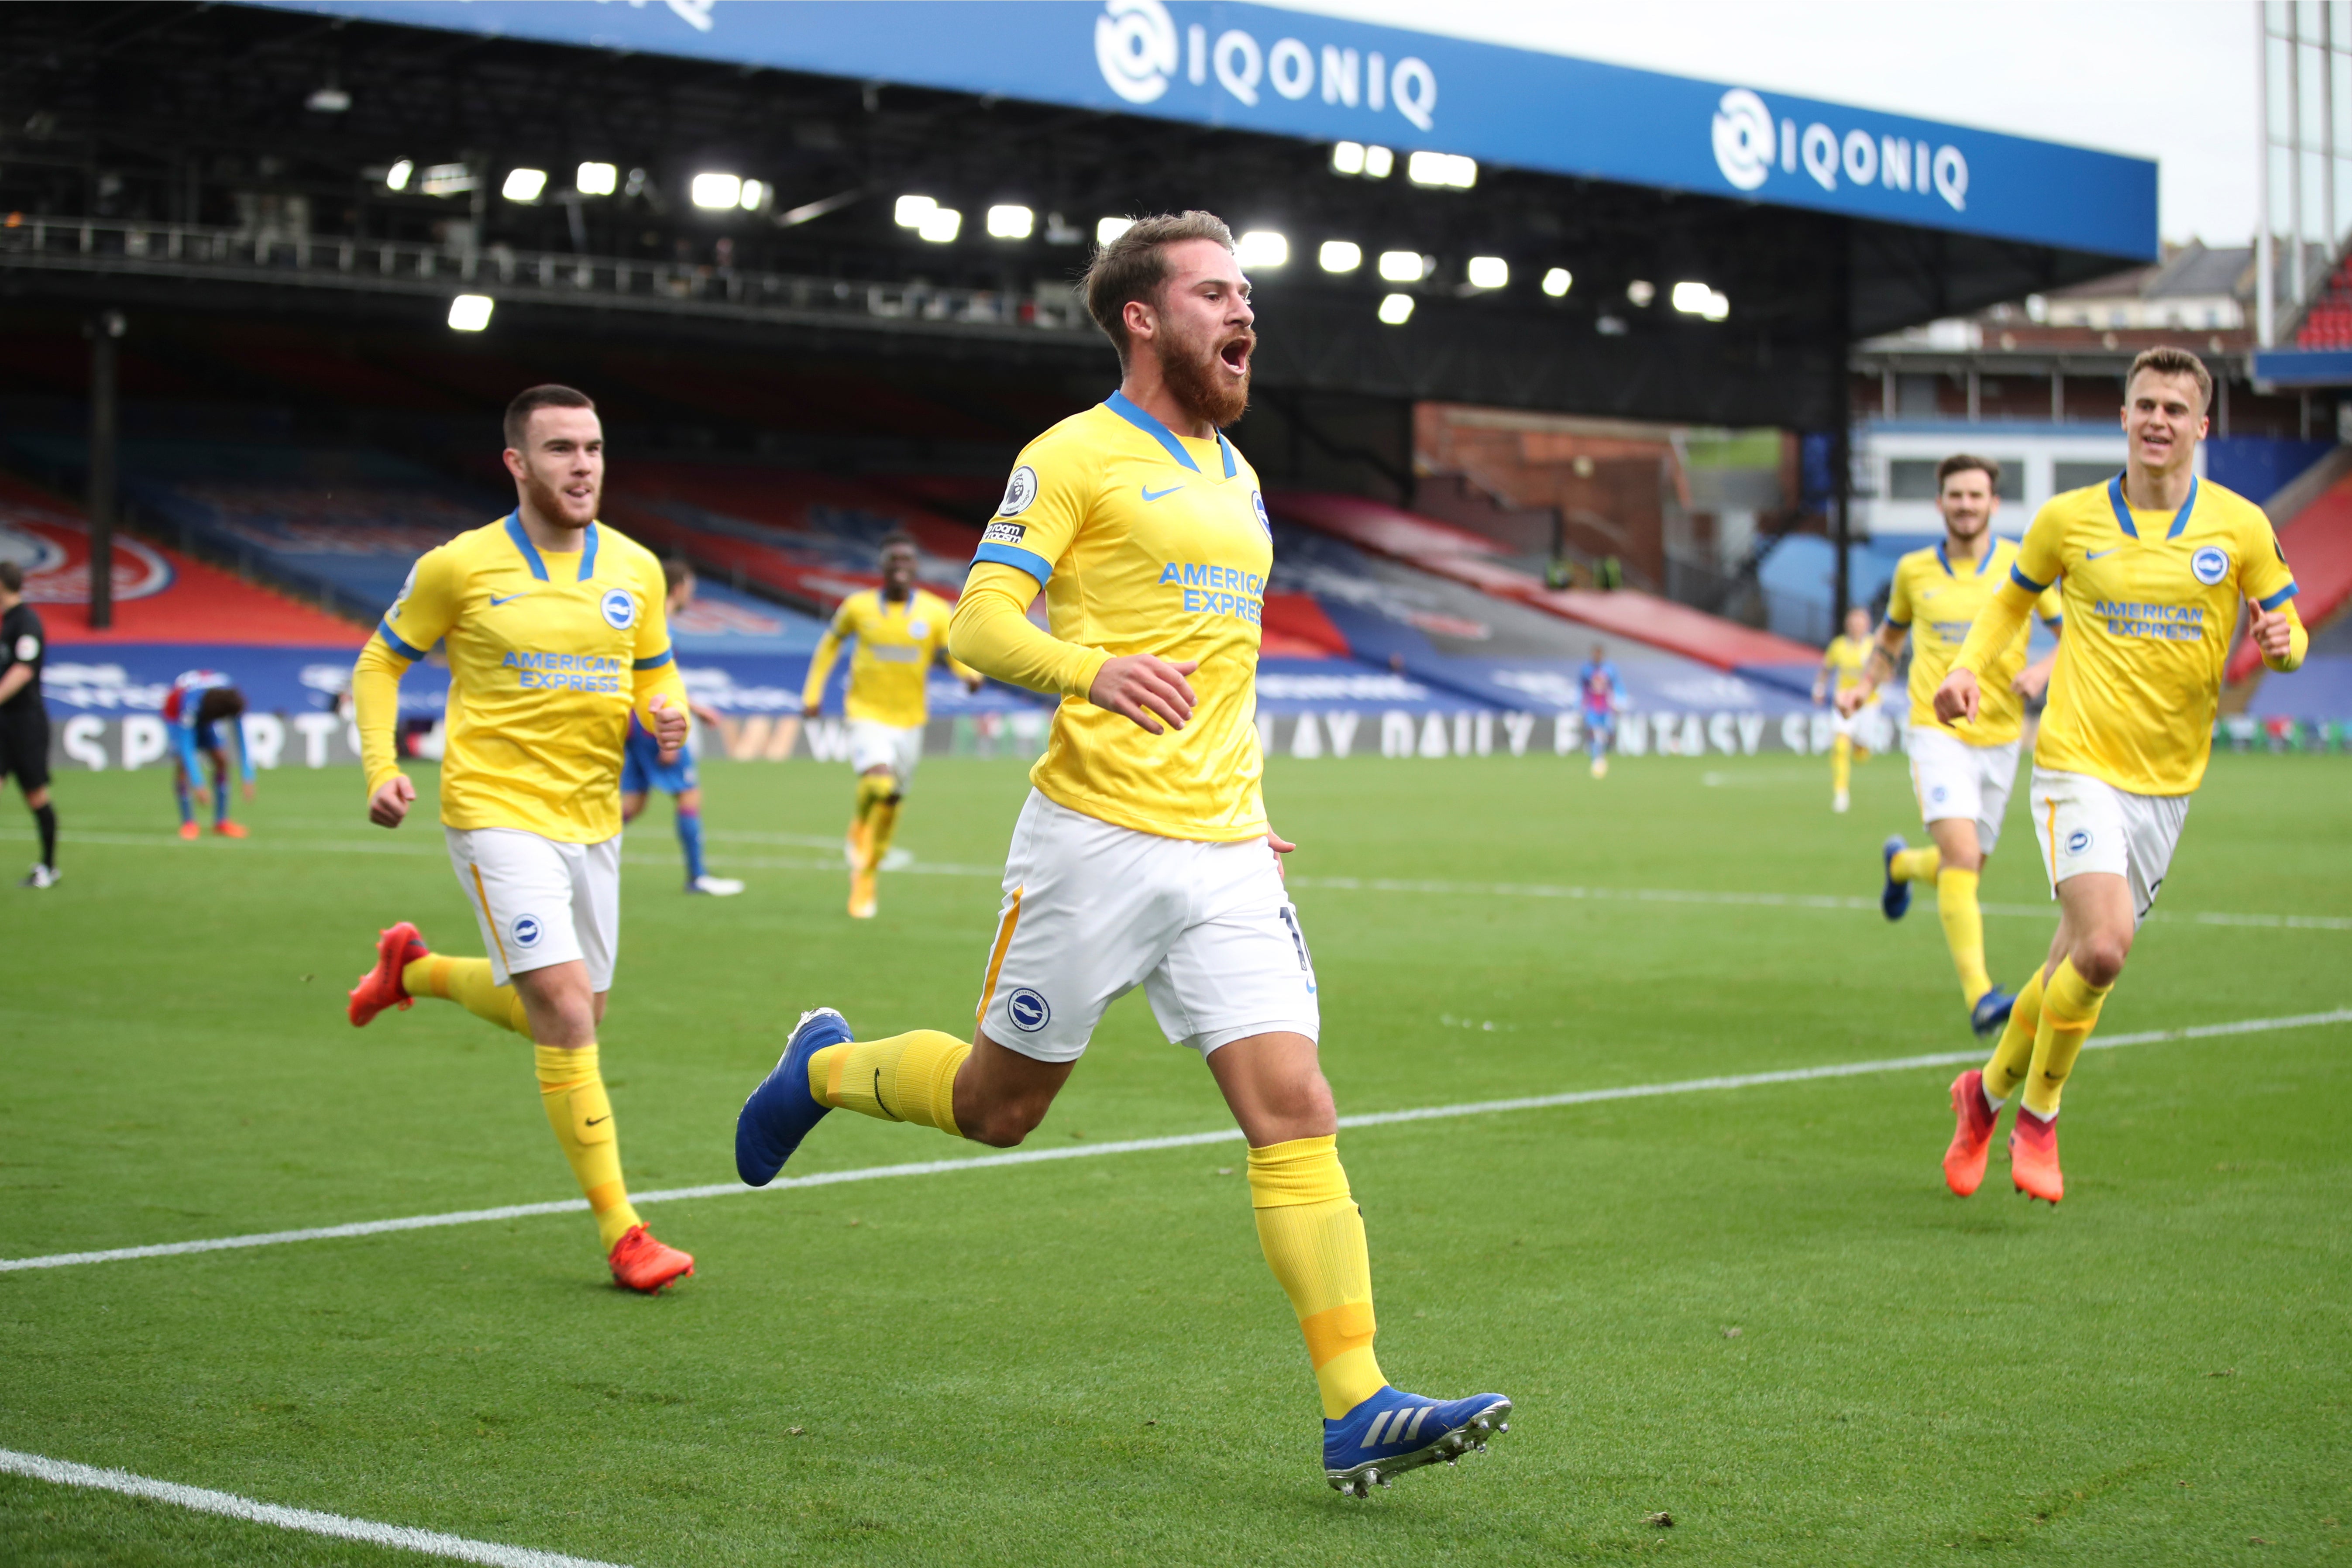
(1254, 67)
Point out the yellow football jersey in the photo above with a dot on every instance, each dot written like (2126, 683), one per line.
(1843, 659)
(2151, 606)
(547, 656)
(890, 670)
(1146, 541)
(1938, 605)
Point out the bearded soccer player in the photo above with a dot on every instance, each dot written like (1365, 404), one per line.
(900, 630)
(1144, 855)
(556, 637)
(1841, 672)
(2154, 563)
(1961, 772)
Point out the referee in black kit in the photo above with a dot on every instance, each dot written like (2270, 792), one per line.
(24, 720)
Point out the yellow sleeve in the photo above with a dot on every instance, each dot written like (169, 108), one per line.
(1898, 598)
(993, 634)
(2051, 606)
(1049, 496)
(376, 710)
(426, 607)
(828, 649)
(655, 672)
(2265, 577)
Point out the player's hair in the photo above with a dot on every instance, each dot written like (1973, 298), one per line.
(675, 569)
(531, 399)
(220, 702)
(1962, 462)
(894, 538)
(2165, 360)
(1135, 267)
(12, 576)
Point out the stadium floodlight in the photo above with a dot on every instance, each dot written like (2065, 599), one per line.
(716, 190)
(1396, 309)
(1699, 300)
(1441, 171)
(1641, 291)
(396, 178)
(1261, 247)
(1403, 266)
(1110, 228)
(1340, 255)
(1346, 157)
(1489, 272)
(1379, 163)
(596, 179)
(471, 312)
(1011, 222)
(524, 185)
(911, 211)
(328, 99)
(1556, 281)
(448, 180)
(941, 225)
(753, 194)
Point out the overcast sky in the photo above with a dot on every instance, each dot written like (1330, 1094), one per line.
(2161, 78)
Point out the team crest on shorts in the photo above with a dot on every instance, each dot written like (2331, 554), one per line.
(2210, 565)
(1939, 795)
(1019, 491)
(2078, 841)
(1027, 1010)
(620, 609)
(527, 930)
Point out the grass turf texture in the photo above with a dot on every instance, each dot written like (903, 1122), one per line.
(1087, 1362)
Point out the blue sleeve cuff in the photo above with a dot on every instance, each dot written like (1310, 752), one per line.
(392, 640)
(1028, 561)
(2281, 597)
(657, 661)
(2026, 583)
(1893, 622)
(2054, 620)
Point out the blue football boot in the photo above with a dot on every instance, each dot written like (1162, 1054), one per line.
(1895, 899)
(1393, 1432)
(1990, 1015)
(781, 1111)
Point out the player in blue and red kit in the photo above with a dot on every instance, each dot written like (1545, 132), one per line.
(199, 703)
(1597, 686)
(643, 770)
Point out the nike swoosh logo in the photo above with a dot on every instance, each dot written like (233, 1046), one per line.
(510, 599)
(1148, 494)
(2110, 549)
(594, 1120)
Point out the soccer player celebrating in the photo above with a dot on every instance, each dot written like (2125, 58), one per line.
(199, 703)
(1597, 684)
(25, 718)
(555, 636)
(900, 630)
(1841, 672)
(2154, 563)
(643, 770)
(1961, 772)
(1144, 856)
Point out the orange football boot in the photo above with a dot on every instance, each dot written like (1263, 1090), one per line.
(861, 836)
(862, 896)
(1964, 1161)
(229, 829)
(641, 1263)
(397, 947)
(188, 830)
(2033, 1158)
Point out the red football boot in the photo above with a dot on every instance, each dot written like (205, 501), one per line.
(2033, 1158)
(1964, 1161)
(397, 947)
(227, 829)
(188, 830)
(641, 1263)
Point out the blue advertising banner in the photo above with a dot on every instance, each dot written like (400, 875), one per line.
(1322, 78)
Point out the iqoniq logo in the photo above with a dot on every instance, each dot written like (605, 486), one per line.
(1750, 146)
(1139, 50)
(1135, 45)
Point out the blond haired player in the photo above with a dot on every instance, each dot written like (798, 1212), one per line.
(899, 630)
(1144, 856)
(1962, 774)
(1841, 672)
(2154, 564)
(556, 636)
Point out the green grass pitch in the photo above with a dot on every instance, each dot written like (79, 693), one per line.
(1754, 1310)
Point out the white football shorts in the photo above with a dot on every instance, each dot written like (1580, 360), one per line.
(873, 745)
(1954, 779)
(1092, 911)
(2088, 825)
(541, 901)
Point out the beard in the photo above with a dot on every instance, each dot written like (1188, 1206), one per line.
(1195, 375)
(551, 503)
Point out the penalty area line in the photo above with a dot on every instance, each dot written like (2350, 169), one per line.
(1149, 1145)
(310, 1521)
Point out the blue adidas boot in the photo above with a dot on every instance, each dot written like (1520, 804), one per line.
(1393, 1432)
(1895, 899)
(781, 1111)
(1989, 1016)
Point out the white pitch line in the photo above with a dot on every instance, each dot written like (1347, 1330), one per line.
(400, 1537)
(1146, 1145)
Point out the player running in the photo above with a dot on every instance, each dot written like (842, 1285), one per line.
(643, 770)
(2154, 563)
(25, 718)
(1962, 774)
(555, 636)
(1841, 672)
(1597, 686)
(199, 703)
(1144, 856)
(900, 630)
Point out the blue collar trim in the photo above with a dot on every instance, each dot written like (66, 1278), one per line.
(588, 555)
(1143, 419)
(2123, 513)
(522, 542)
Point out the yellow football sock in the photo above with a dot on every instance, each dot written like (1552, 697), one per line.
(1841, 763)
(2014, 1052)
(1921, 865)
(1313, 1235)
(1956, 905)
(2070, 1011)
(871, 789)
(907, 1078)
(572, 1090)
(881, 826)
(467, 983)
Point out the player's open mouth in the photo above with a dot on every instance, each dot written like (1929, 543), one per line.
(1236, 354)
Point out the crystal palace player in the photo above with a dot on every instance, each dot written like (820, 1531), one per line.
(556, 636)
(1598, 687)
(1144, 856)
(2154, 564)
